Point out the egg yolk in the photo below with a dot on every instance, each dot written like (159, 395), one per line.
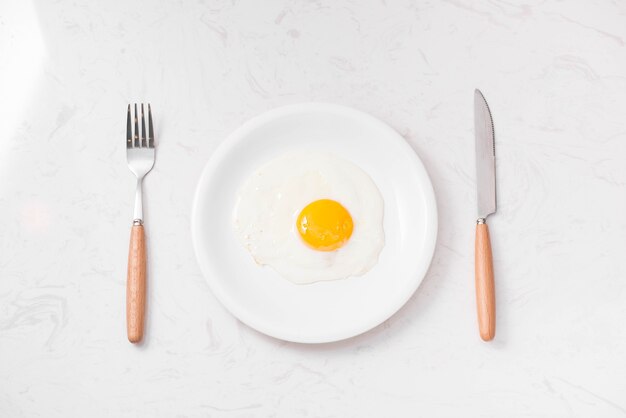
(324, 225)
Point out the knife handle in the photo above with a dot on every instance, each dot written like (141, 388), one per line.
(136, 284)
(485, 289)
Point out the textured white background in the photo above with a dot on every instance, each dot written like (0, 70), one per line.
(554, 73)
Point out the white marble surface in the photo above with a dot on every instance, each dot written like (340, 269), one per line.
(554, 73)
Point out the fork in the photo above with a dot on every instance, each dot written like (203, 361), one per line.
(140, 156)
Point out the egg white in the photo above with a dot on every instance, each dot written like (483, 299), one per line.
(270, 201)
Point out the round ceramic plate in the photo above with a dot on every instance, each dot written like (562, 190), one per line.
(323, 311)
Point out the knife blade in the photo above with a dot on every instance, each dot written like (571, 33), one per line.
(485, 156)
(486, 199)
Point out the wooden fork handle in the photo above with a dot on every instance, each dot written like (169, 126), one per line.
(485, 289)
(136, 285)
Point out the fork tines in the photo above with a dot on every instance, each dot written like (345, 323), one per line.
(133, 141)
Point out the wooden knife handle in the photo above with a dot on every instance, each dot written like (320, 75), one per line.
(485, 289)
(136, 285)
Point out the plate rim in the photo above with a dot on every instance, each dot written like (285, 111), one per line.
(231, 140)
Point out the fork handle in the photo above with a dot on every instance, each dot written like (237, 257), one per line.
(485, 289)
(136, 284)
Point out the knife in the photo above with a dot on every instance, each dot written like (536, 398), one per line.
(486, 185)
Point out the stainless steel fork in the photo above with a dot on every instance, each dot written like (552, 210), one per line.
(140, 156)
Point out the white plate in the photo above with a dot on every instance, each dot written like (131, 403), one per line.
(323, 311)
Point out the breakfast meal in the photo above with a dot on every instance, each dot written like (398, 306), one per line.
(311, 217)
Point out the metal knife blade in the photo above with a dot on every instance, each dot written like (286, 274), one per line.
(485, 156)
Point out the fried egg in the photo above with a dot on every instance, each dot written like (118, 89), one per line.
(311, 217)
